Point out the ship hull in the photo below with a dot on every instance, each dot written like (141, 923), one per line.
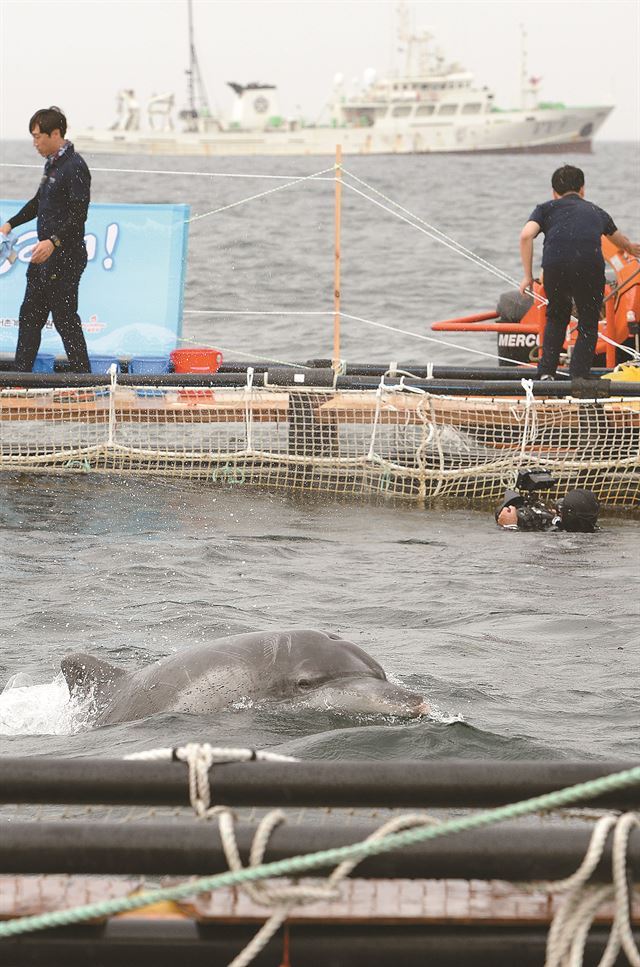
(539, 131)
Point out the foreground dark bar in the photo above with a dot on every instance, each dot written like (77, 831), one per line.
(166, 943)
(439, 783)
(184, 848)
(285, 376)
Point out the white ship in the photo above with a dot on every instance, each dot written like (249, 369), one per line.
(428, 107)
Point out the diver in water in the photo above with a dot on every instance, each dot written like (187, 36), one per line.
(522, 509)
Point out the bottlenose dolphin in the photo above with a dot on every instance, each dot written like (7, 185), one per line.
(311, 668)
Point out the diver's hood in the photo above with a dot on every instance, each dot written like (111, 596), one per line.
(579, 510)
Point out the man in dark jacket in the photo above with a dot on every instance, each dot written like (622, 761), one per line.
(573, 267)
(60, 257)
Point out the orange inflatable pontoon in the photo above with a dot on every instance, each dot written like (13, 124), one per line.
(620, 320)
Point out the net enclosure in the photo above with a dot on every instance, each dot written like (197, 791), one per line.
(390, 442)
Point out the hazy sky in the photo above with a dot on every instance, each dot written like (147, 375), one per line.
(77, 53)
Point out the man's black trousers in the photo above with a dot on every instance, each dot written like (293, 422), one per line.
(52, 287)
(582, 283)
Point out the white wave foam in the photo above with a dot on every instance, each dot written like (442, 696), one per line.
(30, 708)
(444, 718)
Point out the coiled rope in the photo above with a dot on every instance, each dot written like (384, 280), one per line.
(383, 841)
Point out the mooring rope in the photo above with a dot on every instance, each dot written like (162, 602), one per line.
(434, 233)
(441, 342)
(260, 194)
(166, 171)
(297, 865)
(344, 315)
(571, 924)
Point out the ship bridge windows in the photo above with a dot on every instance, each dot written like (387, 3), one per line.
(424, 110)
(474, 108)
(448, 109)
(401, 111)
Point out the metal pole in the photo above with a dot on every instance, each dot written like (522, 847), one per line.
(336, 261)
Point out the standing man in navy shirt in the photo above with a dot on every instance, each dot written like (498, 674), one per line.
(60, 257)
(573, 267)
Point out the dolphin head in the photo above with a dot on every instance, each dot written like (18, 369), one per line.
(326, 671)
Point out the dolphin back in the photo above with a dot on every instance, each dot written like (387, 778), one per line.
(85, 674)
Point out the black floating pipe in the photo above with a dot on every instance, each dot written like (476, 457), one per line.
(443, 372)
(405, 784)
(191, 847)
(279, 376)
(165, 943)
(300, 378)
(420, 370)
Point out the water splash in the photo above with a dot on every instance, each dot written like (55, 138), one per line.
(30, 708)
(445, 718)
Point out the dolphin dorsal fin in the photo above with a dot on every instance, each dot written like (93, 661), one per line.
(84, 672)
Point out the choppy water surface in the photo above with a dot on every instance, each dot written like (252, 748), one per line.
(530, 639)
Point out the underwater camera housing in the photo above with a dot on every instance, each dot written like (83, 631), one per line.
(528, 483)
(532, 480)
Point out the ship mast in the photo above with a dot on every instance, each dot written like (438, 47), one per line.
(523, 68)
(198, 102)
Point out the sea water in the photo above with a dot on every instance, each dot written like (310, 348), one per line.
(525, 644)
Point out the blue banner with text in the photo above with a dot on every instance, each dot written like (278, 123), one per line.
(131, 292)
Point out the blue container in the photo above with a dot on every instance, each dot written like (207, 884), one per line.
(100, 364)
(44, 363)
(149, 365)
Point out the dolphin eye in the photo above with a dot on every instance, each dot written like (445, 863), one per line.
(305, 683)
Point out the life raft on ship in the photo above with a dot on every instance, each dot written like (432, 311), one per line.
(519, 320)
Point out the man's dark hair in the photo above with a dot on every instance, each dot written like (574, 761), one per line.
(49, 119)
(567, 179)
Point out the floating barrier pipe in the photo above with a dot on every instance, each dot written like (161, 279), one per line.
(441, 783)
(194, 848)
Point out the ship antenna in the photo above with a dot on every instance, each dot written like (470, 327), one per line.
(523, 68)
(195, 84)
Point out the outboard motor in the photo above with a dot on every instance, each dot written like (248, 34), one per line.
(522, 347)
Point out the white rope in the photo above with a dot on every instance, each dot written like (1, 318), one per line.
(376, 419)
(439, 236)
(345, 315)
(281, 897)
(113, 373)
(260, 194)
(530, 428)
(570, 927)
(248, 409)
(165, 171)
(625, 349)
(219, 754)
(259, 312)
(439, 342)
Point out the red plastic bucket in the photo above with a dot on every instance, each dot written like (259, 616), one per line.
(196, 360)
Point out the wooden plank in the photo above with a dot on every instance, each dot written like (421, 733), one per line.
(427, 902)
(185, 406)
